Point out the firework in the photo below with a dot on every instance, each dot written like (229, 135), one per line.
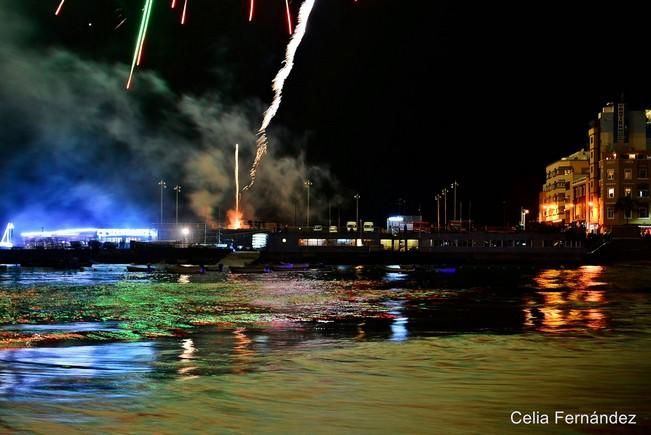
(289, 17)
(124, 20)
(278, 84)
(58, 11)
(251, 9)
(142, 33)
(237, 178)
(173, 4)
(185, 9)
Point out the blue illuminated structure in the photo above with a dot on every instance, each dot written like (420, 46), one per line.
(84, 235)
(6, 241)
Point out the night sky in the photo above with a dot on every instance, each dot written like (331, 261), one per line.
(395, 98)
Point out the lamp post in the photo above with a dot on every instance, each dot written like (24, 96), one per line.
(329, 215)
(454, 186)
(177, 189)
(308, 183)
(357, 209)
(437, 197)
(523, 217)
(163, 186)
(444, 192)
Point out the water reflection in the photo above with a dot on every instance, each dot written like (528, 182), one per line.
(399, 325)
(187, 356)
(568, 300)
(242, 352)
(74, 372)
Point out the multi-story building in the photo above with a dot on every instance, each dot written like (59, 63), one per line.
(613, 188)
(556, 196)
(619, 167)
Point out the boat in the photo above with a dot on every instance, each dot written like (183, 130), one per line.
(285, 267)
(250, 269)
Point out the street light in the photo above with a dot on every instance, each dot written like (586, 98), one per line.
(444, 192)
(177, 189)
(523, 217)
(357, 209)
(308, 183)
(454, 186)
(162, 185)
(437, 197)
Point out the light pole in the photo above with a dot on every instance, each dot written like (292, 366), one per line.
(523, 217)
(329, 215)
(308, 183)
(177, 189)
(163, 186)
(357, 209)
(454, 186)
(437, 197)
(445, 208)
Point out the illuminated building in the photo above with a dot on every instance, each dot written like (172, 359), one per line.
(556, 195)
(396, 224)
(615, 189)
(619, 167)
(122, 237)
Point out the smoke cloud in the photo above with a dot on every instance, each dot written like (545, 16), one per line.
(77, 150)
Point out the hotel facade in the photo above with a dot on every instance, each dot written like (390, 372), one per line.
(608, 185)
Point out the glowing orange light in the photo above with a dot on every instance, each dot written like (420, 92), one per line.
(234, 219)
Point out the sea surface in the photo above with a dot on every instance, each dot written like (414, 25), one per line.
(339, 350)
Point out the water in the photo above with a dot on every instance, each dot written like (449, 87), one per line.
(350, 350)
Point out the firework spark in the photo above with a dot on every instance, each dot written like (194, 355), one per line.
(289, 17)
(237, 178)
(251, 9)
(278, 84)
(58, 11)
(173, 4)
(124, 20)
(185, 9)
(142, 33)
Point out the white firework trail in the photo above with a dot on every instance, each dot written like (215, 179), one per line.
(237, 178)
(278, 84)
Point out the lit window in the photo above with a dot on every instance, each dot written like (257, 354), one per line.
(644, 213)
(627, 191)
(611, 192)
(628, 174)
(631, 156)
(644, 192)
(610, 212)
(611, 174)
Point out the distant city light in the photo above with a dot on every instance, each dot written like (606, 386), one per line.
(396, 219)
(185, 231)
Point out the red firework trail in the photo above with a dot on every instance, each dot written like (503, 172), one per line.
(252, 7)
(289, 17)
(173, 4)
(58, 11)
(185, 8)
